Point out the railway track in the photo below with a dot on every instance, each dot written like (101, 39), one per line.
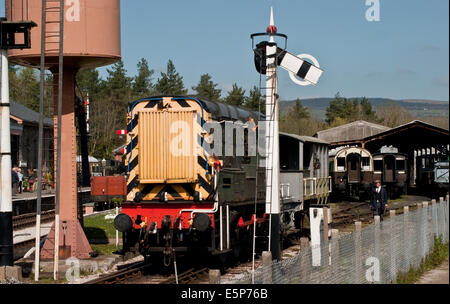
(136, 272)
(123, 275)
(29, 220)
(187, 277)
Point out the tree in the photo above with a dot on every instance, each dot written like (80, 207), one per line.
(254, 102)
(25, 88)
(343, 110)
(236, 96)
(142, 85)
(89, 82)
(394, 115)
(366, 111)
(299, 110)
(170, 83)
(206, 88)
(298, 121)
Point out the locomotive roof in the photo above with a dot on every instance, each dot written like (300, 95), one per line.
(220, 110)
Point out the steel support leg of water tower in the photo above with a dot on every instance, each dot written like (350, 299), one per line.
(75, 237)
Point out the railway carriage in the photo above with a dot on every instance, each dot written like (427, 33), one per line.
(351, 169)
(390, 167)
(184, 197)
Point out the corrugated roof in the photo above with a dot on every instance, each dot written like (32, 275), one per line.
(352, 131)
(27, 115)
(305, 138)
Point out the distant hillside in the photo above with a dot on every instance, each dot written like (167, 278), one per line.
(417, 107)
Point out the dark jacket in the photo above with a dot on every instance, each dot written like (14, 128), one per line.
(373, 198)
(14, 177)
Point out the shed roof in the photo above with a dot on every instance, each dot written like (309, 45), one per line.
(304, 138)
(352, 131)
(27, 115)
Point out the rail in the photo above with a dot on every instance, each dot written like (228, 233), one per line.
(29, 220)
(120, 276)
(187, 277)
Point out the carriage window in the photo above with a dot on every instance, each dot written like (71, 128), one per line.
(366, 163)
(400, 164)
(389, 165)
(378, 165)
(341, 163)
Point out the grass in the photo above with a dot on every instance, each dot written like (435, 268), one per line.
(105, 249)
(439, 254)
(99, 228)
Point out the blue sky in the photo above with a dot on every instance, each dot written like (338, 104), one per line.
(404, 55)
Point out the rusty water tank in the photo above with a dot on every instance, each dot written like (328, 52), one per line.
(91, 32)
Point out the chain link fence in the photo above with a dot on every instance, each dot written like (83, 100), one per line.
(374, 254)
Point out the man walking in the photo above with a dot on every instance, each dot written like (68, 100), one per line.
(14, 180)
(378, 199)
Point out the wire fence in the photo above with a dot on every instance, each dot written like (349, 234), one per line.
(375, 254)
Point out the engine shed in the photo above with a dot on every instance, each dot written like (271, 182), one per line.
(414, 139)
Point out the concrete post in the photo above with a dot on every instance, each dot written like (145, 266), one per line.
(434, 226)
(306, 260)
(304, 243)
(267, 267)
(377, 237)
(425, 228)
(334, 258)
(214, 276)
(325, 225)
(406, 237)
(418, 233)
(358, 254)
(393, 235)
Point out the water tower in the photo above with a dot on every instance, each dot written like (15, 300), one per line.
(91, 38)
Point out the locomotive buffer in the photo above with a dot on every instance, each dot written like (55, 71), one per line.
(267, 57)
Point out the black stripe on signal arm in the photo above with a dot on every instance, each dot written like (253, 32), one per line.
(204, 184)
(151, 104)
(135, 142)
(280, 55)
(135, 122)
(304, 69)
(132, 184)
(133, 163)
(202, 162)
(183, 103)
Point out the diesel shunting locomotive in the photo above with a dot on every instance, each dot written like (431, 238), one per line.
(196, 189)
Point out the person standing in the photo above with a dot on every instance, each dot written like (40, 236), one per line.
(14, 180)
(379, 200)
(20, 175)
